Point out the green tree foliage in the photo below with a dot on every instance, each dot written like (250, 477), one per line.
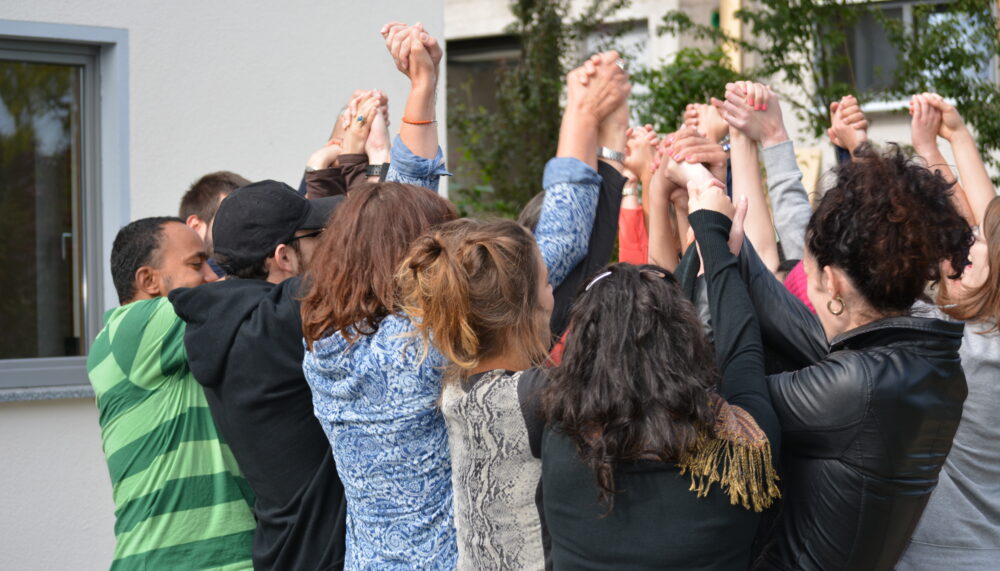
(506, 149)
(949, 49)
(693, 76)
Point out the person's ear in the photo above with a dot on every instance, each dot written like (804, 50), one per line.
(198, 225)
(285, 259)
(838, 284)
(148, 282)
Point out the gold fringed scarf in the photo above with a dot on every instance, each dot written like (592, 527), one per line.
(739, 458)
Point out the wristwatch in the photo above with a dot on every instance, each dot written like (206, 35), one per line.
(606, 153)
(378, 170)
(630, 190)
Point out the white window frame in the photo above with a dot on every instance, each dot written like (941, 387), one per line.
(104, 196)
(883, 106)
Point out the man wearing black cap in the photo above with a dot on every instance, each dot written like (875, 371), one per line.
(244, 344)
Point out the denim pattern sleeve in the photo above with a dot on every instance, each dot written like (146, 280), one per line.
(377, 401)
(408, 168)
(567, 219)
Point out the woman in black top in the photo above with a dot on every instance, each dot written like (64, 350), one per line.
(869, 396)
(638, 407)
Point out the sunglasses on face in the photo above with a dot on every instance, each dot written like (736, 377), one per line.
(312, 234)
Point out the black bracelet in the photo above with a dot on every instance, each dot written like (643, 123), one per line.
(378, 170)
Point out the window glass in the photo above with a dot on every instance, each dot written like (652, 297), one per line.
(40, 179)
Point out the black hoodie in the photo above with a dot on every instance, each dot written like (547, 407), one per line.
(244, 344)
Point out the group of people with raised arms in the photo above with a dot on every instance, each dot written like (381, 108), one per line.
(756, 383)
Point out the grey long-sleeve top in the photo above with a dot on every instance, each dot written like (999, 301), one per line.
(789, 199)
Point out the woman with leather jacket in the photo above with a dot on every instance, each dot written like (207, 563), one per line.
(958, 529)
(869, 396)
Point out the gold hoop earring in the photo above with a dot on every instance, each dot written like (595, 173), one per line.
(829, 305)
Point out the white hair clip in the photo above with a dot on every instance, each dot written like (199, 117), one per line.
(595, 280)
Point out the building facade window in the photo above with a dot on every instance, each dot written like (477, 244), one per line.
(873, 57)
(63, 191)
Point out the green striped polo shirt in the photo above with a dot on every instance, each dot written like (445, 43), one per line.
(181, 501)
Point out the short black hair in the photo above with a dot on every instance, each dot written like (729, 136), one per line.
(202, 199)
(136, 245)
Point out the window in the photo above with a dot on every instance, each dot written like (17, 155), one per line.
(63, 177)
(42, 115)
(472, 66)
(873, 58)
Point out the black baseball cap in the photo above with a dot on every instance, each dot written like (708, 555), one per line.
(255, 218)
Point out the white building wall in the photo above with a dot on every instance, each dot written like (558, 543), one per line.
(244, 85)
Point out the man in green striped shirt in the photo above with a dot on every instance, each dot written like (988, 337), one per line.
(181, 501)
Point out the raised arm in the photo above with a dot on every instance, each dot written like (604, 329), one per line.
(977, 188)
(664, 248)
(571, 182)
(792, 334)
(738, 346)
(416, 157)
(848, 125)
(748, 125)
(601, 244)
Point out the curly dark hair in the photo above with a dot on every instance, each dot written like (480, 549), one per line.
(635, 376)
(888, 222)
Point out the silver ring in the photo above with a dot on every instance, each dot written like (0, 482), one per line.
(620, 63)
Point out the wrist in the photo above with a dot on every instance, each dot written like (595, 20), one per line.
(779, 135)
(377, 157)
(925, 149)
(960, 135)
(424, 85)
(581, 111)
(615, 142)
(321, 159)
(720, 133)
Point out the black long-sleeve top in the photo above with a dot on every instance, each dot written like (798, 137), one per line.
(657, 522)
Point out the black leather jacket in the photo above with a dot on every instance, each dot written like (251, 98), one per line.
(867, 422)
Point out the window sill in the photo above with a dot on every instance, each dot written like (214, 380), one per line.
(884, 107)
(47, 393)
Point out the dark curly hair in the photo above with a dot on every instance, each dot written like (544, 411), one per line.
(635, 376)
(888, 222)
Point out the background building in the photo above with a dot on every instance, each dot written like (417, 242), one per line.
(109, 110)
(118, 108)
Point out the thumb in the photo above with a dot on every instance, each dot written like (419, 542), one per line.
(833, 107)
(417, 39)
(716, 103)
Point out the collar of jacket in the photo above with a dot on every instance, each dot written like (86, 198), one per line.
(913, 331)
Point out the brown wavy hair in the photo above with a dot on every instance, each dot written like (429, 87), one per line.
(351, 284)
(888, 222)
(982, 305)
(471, 288)
(636, 375)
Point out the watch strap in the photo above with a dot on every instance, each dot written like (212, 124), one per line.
(378, 170)
(611, 155)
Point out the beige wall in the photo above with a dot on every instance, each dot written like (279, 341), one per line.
(249, 86)
(55, 509)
